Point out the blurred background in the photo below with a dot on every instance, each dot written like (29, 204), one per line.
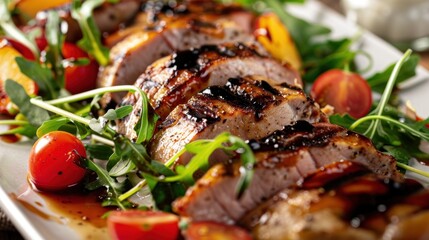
(403, 23)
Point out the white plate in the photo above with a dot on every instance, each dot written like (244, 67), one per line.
(13, 157)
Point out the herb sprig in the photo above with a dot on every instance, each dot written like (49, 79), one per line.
(91, 41)
(390, 130)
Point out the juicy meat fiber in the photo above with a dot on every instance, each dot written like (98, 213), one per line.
(246, 108)
(283, 158)
(343, 200)
(175, 79)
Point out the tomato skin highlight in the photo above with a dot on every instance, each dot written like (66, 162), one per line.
(79, 78)
(347, 92)
(143, 225)
(215, 231)
(53, 163)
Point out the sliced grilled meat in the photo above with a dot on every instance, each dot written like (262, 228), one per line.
(343, 201)
(131, 56)
(175, 79)
(246, 107)
(283, 158)
(156, 15)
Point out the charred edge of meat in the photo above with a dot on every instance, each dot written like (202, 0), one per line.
(303, 133)
(189, 59)
(178, 8)
(232, 94)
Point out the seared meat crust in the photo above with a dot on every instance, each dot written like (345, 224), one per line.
(283, 159)
(343, 200)
(247, 108)
(175, 79)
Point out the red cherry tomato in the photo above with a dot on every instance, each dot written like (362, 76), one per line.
(347, 92)
(53, 163)
(21, 48)
(147, 225)
(79, 78)
(215, 231)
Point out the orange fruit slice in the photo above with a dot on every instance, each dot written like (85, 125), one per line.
(9, 70)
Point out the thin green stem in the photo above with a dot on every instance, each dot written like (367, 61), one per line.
(14, 122)
(92, 93)
(388, 91)
(59, 111)
(132, 191)
(103, 140)
(412, 169)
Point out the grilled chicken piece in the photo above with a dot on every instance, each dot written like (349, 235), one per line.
(283, 158)
(156, 15)
(175, 79)
(246, 107)
(343, 201)
(131, 56)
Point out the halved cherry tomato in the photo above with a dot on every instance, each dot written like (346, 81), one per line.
(54, 161)
(215, 231)
(79, 78)
(347, 92)
(147, 225)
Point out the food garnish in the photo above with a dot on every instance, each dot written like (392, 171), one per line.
(53, 92)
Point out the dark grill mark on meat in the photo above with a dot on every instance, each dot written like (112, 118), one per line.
(201, 113)
(300, 134)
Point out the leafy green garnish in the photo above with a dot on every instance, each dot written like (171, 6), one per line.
(55, 41)
(378, 81)
(82, 12)
(202, 149)
(42, 75)
(35, 115)
(390, 130)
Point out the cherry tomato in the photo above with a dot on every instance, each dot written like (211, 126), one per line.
(79, 78)
(347, 92)
(53, 163)
(21, 48)
(215, 231)
(147, 225)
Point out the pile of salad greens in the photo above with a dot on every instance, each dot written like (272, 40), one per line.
(128, 166)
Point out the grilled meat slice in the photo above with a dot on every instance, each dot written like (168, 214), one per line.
(175, 79)
(283, 158)
(156, 15)
(130, 57)
(343, 201)
(246, 107)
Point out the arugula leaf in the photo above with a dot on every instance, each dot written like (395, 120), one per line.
(204, 148)
(55, 41)
(41, 75)
(51, 125)
(35, 115)
(82, 12)
(121, 112)
(99, 151)
(113, 187)
(379, 80)
(27, 130)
